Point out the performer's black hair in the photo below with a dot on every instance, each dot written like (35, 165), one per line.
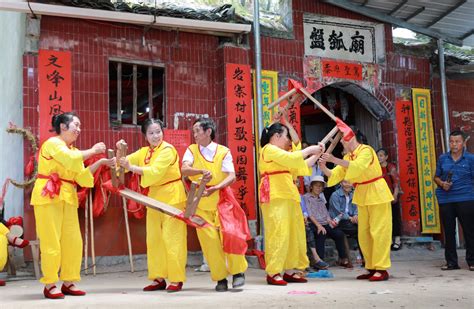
(268, 132)
(149, 122)
(207, 123)
(65, 118)
(360, 137)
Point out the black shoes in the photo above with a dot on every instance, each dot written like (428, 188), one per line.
(238, 280)
(221, 285)
(450, 267)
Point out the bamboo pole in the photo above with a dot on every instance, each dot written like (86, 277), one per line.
(86, 236)
(129, 239)
(91, 218)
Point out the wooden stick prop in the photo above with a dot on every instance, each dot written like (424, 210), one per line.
(193, 201)
(191, 193)
(121, 152)
(283, 98)
(334, 142)
(91, 218)
(129, 239)
(321, 106)
(113, 170)
(86, 236)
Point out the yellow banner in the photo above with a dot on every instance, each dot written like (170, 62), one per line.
(426, 158)
(269, 94)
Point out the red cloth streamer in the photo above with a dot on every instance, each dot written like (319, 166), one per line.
(191, 223)
(101, 175)
(233, 223)
(294, 84)
(345, 129)
(265, 189)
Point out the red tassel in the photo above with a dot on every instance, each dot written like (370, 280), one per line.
(30, 167)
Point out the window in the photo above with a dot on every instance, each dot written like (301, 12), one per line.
(136, 92)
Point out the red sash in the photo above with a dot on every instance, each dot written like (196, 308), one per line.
(367, 182)
(53, 185)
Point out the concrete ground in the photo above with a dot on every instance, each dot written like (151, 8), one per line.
(416, 282)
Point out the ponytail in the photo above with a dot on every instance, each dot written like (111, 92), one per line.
(268, 132)
(65, 118)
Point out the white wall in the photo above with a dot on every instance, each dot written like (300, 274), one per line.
(12, 34)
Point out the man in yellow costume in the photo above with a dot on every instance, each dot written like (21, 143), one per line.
(158, 165)
(361, 167)
(55, 201)
(224, 251)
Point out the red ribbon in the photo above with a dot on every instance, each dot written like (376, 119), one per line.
(14, 221)
(233, 223)
(347, 132)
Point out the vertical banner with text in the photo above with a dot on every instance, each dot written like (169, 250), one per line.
(426, 159)
(407, 164)
(239, 136)
(55, 88)
(180, 139)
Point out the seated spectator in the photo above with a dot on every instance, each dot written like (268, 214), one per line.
(344, 212)
(321, 223)
(314, 259)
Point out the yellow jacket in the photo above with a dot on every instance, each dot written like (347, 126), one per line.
(56, 157)
(3, 229)
(215, 167)
(363, 167)
(161, 173)
(274, 159)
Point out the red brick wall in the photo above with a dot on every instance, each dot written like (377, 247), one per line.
(195, 78)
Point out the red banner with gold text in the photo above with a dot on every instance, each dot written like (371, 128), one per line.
(408, 167)
(239, 136)
(55, 88)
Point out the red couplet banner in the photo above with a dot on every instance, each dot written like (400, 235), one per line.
(344, 70)
(239, 136)
(408, 167)
(55, 88)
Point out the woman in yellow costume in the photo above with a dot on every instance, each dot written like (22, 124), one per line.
(285, 238)
(55, 201)
(7, 239)
(158, 165)
(361, 167)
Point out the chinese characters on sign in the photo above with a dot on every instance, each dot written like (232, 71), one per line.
(269, 94)
(240, 142)
(342, 70)
(407, 163)
(340, 38)
(54, 71)
(425, 151)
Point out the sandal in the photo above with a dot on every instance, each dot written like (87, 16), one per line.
(471, 267)
(321, 265)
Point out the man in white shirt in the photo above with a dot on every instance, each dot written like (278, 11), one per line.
(213, 163)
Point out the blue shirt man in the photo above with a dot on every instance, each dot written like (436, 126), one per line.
(455, 179)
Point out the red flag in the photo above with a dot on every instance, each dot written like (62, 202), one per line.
(345, 129)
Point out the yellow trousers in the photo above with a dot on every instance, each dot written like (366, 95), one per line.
(166, 241)
(375, 235)
(3, 245)
(220, 263)
(285, 236)
(57, 227)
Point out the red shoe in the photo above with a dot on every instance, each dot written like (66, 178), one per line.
(2, 283)
(174, 288)
(155, 287)
(384, 276)
(272, 281)
(366, 276)
(47, 293)
(294, 279)
(67, 291)
(23, 244)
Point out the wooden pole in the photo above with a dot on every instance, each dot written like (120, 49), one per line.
(441, 135)
(91, 218)
(282, 98)
(113, 170)
(129, 239)
(191, 208)
(86, 236)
